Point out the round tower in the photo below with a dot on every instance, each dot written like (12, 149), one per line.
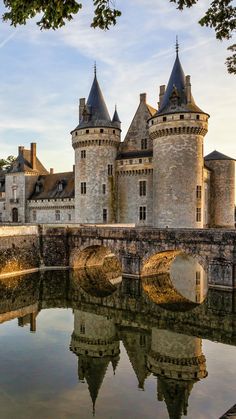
(95, 141)
(222, 190)
(177, 130)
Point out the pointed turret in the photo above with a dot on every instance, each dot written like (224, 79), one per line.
(177, 97)
(116, 120)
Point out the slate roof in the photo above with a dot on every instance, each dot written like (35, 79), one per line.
(47, 186)
(23, 164)
(95, 113)
(135, 153)
(176, 88)
(215, 155)
(116, 117)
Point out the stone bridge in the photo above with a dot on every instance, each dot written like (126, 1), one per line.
(137, 249)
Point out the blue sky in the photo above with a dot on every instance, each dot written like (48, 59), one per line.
(43, 75)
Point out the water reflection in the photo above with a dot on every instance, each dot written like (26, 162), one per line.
(175, 280)
(159, 343)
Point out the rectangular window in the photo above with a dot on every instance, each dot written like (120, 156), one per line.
(87, 131)
(83, 154)
(140, 161)
(130, 161)
(0, 217)
(34, 215)
(104, 189)
(198, 214)
(198, 192)
(144, 144)
(69, 217)
(181, 117)
(110, 169)
(104, 215)
(198, 117)
(142, 187)
(83, 188)
(198, 277)
(82, 328)
(142, 213)
(164, 118)
(57, 215)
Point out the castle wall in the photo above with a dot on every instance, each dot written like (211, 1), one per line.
(222, 196)
(178, 170)
(15, 196)
(46, 211)
(93, 170)
(129, 175)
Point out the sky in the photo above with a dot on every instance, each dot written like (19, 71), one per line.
(44, 73)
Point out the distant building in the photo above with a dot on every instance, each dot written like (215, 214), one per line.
(156, 177)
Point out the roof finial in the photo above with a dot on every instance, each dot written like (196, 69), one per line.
(177, 45)
(95, 68)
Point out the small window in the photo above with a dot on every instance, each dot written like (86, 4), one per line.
(181, 117)
(198, 214)
(57, 215)
(142, 340)
(142, 213)
(144, 143)
(198, 192)
(197, 117)
(34, 215)
(101, 130)
(37, 188)
(0, 217)
(114, 131)
(104, 189)
(82, 328)
(83, 154)
(87, 131)
(164, 118)
(76, 133)
(150, 159)
(69, 217)
(110, 169)
(140, 161)
(83, 188)
(60, 187)
(130, 161)
(142, 187)
(198, 277)
(104, 215)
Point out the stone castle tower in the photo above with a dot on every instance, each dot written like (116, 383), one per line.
(177, 130)
(95, 140)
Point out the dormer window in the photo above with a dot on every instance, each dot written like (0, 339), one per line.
(37, 188)
(60, 187)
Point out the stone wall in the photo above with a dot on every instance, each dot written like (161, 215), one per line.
(19, 249)
(45, 211)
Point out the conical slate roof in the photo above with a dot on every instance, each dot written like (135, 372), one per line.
(95, 113)
(215, 155)
(116, 116)
(176, 88)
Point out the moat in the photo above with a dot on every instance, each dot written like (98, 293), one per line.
(84, 343)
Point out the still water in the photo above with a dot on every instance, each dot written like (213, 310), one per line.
(75, 347)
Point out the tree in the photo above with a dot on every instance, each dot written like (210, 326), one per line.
(221, 16)
(5, 164)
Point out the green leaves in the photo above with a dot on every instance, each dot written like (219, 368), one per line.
(5, 164)
(221, 16)
(231, 61)
(104, 14)
(55, 12)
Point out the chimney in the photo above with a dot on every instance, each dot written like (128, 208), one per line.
(188, 89)
(81, 107)
(20, 149)
(143, 97)
(33, 155)
(161, 94)
(51, 171)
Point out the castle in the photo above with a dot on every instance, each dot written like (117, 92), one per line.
(157, 176)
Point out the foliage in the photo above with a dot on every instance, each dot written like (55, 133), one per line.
(5, 164)
(221, 16)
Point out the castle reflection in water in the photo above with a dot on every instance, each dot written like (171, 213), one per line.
(158, 333)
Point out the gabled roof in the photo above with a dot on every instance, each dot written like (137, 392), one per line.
(23, 164)
(215, 155)
(47, 186)
(176, 90)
